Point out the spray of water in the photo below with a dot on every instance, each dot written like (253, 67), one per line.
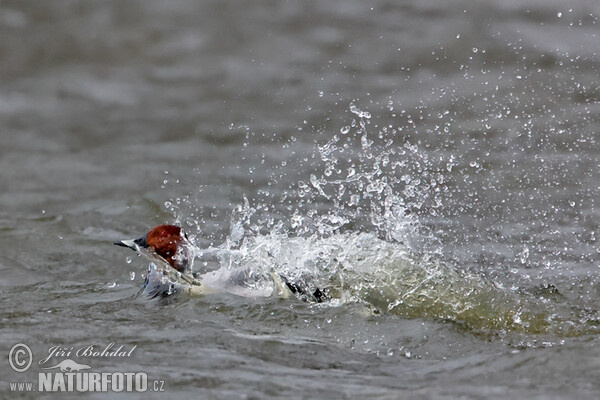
(353, 231)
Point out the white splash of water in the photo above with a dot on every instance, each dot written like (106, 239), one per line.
(354, 232)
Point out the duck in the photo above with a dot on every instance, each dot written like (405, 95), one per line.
(171, 255)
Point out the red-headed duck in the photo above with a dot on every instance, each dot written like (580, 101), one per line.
(169, 242)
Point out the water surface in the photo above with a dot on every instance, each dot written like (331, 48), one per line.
(435, 163)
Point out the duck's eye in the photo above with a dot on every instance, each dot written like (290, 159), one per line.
(164, 233)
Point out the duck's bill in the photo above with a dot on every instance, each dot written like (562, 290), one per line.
(126, 243)
(134, 244)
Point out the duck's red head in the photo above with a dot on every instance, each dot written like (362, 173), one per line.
(165, 241)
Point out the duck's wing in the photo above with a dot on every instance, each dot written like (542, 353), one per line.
(163, 280)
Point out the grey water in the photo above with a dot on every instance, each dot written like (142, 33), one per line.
(434, 162)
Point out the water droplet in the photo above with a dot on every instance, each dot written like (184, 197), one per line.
(345, 130)
(132, 275)
(358, 112)
(517, 319)
(572, 203)
(296, 220)
(314, 181)
(365, 142)
(128, 260)
(559, 14)
(524, 254)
